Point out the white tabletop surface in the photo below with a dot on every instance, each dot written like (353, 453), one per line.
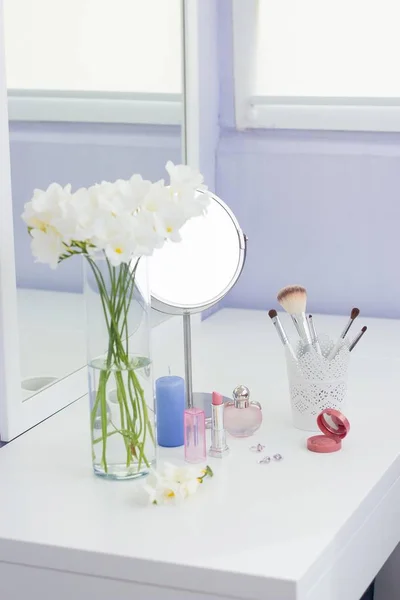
(263, 532)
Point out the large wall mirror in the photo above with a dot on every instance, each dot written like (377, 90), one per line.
(95, 92)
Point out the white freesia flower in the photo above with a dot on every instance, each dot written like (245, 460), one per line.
(184, 180)
(174, 484)
(48, 201)
(124, 219)
(119, 250)
(183, 176)
(187, 476)
(147, 238)
(160, 490)
(33, 219)
(110, 197)
(139, 188)
(45, 206)
(47, 247)
(168, 222)
(156, 197)
(194, 207)
(75, 217)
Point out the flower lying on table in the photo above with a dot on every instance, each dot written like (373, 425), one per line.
(174, 484)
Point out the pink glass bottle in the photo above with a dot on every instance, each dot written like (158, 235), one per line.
(195, 435)
(242, 418)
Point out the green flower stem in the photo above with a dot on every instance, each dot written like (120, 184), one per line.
(135, 424)
(208, 472)
(100, 439)
(103, 405)
(135, 405)
(122, 417)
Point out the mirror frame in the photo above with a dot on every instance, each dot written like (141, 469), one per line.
(199, 140)
(18, 416)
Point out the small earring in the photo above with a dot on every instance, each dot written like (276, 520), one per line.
(265, 460)
(278, 457)
(258, 448)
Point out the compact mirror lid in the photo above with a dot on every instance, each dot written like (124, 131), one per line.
(333, 423)
(193, 275)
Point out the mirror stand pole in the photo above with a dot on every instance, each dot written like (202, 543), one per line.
(187, 343)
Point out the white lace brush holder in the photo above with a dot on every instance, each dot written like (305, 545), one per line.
(315, 382)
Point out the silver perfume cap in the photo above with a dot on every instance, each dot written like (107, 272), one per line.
(241, 396)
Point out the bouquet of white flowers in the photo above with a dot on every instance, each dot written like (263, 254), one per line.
(124, 219)
(120, 222)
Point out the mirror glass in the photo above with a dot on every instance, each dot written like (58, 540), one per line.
(95, 93)
(331, 423)
(334, 424)
(196, 273)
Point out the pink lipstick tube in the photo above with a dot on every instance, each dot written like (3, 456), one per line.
(219, 447)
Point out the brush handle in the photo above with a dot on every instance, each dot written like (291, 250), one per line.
(283, 337)
(314, 336)
(356, 340)
(301, 323)
(336, 347)
(346, 329)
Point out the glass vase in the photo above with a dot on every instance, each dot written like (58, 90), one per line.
(121, 394)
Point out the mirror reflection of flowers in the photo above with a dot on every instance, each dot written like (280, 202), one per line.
(119, 222)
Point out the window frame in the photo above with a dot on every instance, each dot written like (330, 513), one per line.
(94, 107)
(260, 112)
(97, 106)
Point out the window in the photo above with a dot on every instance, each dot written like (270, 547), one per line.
(86, 59)
(317, 64)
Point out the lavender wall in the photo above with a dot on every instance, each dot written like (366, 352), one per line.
(320, 208)
(80, 154)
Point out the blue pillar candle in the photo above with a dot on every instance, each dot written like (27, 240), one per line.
(170, 408)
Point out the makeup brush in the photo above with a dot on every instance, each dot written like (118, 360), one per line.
(357, 338)
(281, 332)
(293, 299)
(314, 336)
(353, 315)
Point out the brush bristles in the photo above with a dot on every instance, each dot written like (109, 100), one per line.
(354, 313)
(272, 313)
(293, 299)
(364, 329)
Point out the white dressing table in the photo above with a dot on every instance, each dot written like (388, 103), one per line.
(312, 527)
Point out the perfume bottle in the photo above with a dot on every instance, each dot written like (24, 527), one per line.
(242, 417)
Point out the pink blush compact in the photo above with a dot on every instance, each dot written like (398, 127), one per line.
(334, 427)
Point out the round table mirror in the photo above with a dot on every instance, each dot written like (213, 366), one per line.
(195, 274)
